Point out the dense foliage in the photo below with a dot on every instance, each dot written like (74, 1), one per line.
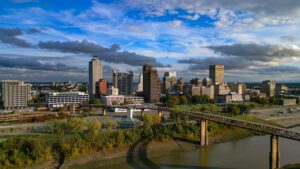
(238, 109)
(76, 136)
(171, 101)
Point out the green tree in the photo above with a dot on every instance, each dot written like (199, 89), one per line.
(95, 101)
(172, 101)
(75, 125)
(183, 100)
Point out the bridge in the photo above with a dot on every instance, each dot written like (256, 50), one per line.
(203, 119)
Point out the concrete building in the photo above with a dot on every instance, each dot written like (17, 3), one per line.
(268, 87)
(15, 94)
(95, 75)
(281, 89)
(101, 88)
(208, 91)
(169, 81)
(229, 98)
(222, 89)
(140, 84)
(216, 73)
(151, 84)
(112, 99)
(287, 102)
(61, 99)
(239, 88)
(134, 100)
(113, 91)
(192, 90)
(180, 85)
(124, 82)
(207, 81)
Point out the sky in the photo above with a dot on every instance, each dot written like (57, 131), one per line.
(53, 40)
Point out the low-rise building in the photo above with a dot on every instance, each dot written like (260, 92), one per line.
(229, 98)
(112, 100)
(192, 90)
(239, 88)
(287, 102)
(135, 100)
(208, 91)
(61, 99)
(222, 89)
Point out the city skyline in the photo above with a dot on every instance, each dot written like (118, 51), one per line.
(41, 39)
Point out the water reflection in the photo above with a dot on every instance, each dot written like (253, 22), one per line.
(248, 153)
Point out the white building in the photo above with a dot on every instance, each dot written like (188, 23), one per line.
(15, 94)
(59, 99)
(95, 75)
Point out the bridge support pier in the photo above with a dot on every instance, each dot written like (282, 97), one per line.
(142, 112)
(274, 152)
(104, 111)
(159, 113)
(130, 113)
(203, 132)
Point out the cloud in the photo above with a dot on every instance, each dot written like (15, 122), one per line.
(35, 65)
(33, 30)
(289, 38)
(251, 57)
(9, 36)
(111, 55)
(259, 52)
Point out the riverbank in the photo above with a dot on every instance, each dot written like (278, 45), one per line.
(142, 151)
(291, 166)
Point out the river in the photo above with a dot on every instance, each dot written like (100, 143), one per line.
(247, 153)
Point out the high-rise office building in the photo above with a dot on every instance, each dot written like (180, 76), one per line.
(169, 81)
(95, 75)
(268, 87)
(151, 84)
(216, 73)
(124, 82)
(15, 94)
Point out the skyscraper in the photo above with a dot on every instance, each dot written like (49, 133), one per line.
(216, 73)
(124, 82)
(95, 75)
(151, 84)
(15, 94)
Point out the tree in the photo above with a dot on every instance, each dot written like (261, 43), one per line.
(75, 125)
(272, 100)
(244, 108)
(183, 100)
(235, 110)
(172, 101)
(95, 101)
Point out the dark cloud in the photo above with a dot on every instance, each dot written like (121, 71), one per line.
(35, 65)
(9, 36)
(246, 56)
(112, 54)
(278, 69)
(257, 52)
(33, 30)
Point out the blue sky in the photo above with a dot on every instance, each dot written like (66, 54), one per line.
(53, 40)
